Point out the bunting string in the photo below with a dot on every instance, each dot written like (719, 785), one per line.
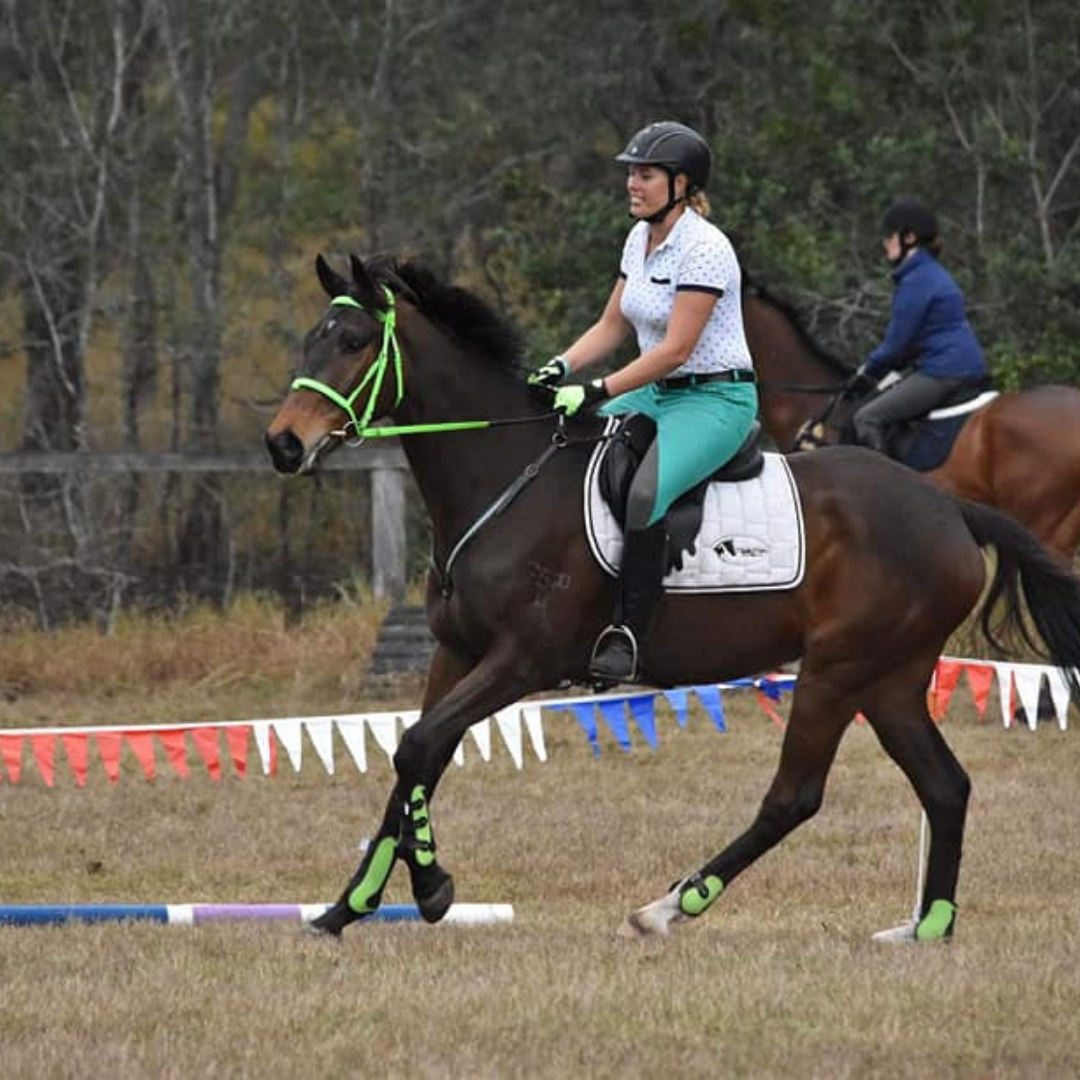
(224, 747)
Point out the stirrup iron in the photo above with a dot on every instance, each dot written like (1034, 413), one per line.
(618, 632)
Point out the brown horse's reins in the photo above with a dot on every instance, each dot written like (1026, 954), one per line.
(559, 440)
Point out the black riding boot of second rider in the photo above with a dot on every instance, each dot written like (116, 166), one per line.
(616, 655)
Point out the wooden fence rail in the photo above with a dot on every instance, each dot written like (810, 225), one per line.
(384, 461)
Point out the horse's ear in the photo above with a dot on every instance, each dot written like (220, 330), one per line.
(332, 282)
(365, 287)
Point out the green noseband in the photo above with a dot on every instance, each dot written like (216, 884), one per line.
(389, 353)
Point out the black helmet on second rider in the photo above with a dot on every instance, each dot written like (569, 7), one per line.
(675, 148)
(911, 216)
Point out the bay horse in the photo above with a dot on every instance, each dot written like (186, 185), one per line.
(515, 598)
(1020, 453)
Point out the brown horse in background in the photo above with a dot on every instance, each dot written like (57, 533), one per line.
(1020, 453)
(516, 598)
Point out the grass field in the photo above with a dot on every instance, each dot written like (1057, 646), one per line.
(779, 979)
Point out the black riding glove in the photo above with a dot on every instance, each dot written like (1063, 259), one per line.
(860, 384)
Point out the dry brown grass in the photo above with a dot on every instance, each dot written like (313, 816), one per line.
(203, 665)
(779, 979)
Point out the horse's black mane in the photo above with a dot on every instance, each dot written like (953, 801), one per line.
(798, 324)
(461, 313)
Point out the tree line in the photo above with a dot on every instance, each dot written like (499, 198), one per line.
(170, 167)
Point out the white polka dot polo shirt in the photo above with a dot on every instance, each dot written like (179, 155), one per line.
(695, 255)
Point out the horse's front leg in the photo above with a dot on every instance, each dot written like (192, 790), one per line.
(424, 753)
(363, 893)
(423, 756)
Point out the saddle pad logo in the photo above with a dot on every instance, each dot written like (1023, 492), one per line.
(740, 549)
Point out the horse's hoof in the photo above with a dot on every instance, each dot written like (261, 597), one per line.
(330, 923)
(632, 929)
(653, 920)
(904, 934)
(436, 904)
(327, 933)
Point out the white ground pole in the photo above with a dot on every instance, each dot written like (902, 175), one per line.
(906, 931)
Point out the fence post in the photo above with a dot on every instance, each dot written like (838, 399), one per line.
(388, 533)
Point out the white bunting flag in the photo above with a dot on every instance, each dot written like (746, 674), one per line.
(288, 731)
(509, 724)
(321, 733)
(351, 730)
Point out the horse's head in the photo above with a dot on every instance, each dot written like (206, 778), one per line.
(350, 373)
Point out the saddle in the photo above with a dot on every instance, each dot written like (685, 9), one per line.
(924, 442)
(629, 444)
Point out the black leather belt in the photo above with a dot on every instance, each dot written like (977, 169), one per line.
(731, 375)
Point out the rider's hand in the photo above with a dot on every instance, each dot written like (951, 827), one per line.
(550, 375)
(860, 384)
(574, 399)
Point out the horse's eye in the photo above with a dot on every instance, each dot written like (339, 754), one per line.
(352, 343)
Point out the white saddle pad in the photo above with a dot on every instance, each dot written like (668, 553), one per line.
(971, 406)
(751, 534)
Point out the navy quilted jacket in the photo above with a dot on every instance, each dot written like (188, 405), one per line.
(928, 329)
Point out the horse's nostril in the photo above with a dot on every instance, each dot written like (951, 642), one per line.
(286, 451)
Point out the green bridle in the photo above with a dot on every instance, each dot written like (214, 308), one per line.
(389, 354)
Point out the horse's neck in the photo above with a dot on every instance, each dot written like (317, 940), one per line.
(787, 367)
(461, 474)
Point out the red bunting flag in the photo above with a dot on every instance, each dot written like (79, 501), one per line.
(77, 748)
(767, 706)
(176, 750)
(946, 678)
(980, 678)
(206, 742)
(142, 746)
(11, 753)
(43, 747)
(108, 744)
(237, 740)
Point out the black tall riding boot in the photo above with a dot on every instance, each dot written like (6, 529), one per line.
(617, 651)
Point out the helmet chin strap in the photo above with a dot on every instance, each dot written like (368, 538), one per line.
(673, 201)
(655, 219)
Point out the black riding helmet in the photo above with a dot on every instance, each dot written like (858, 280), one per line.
(675, 148)
(911, 216)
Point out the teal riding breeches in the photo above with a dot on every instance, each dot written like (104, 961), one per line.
(698, 429)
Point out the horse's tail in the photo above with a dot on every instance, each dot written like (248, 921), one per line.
(1026, 570)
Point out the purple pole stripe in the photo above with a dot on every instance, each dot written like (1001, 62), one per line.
(222, 912)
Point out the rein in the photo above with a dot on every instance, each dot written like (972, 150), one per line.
(512, 491)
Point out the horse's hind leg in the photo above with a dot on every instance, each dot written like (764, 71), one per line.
(910, 737)
(819, 716)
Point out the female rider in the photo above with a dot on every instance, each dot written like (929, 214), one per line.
(928, 330)
(678, 291)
